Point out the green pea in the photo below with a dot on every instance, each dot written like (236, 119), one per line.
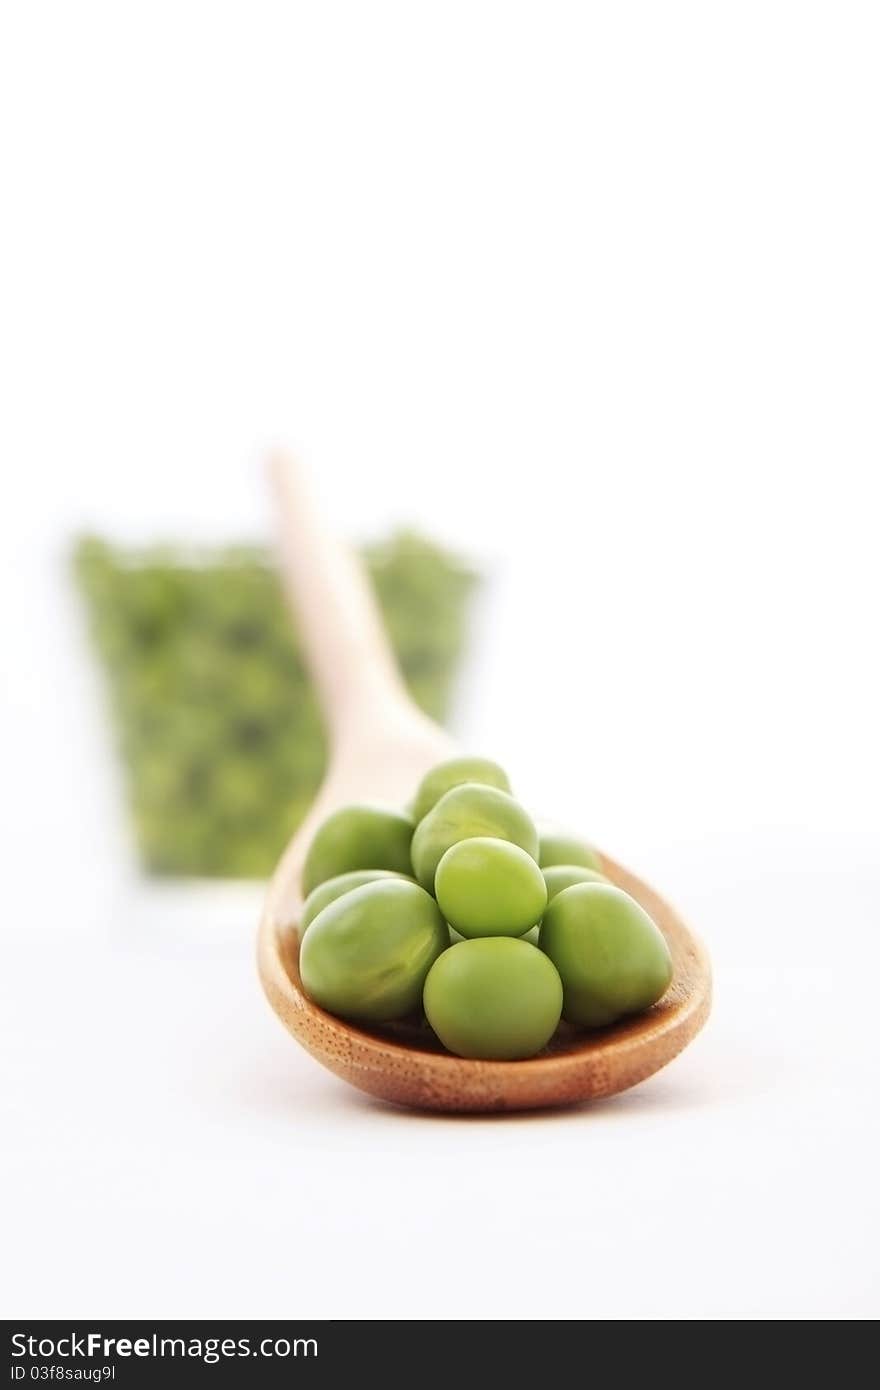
(366, 955)
(461, 814)
(495, 997)
(612, 958)
(358, 837)
(333, 888)
(565, 849)
(453, 773)
(559, 876)
(488, 887)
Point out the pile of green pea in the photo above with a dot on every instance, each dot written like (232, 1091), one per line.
(220, 735)
(461, 908)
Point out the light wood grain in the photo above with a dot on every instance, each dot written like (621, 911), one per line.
(380, 747)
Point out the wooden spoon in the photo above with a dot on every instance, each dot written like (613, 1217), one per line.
(380, 744)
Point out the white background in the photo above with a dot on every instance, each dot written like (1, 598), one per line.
(590, 291)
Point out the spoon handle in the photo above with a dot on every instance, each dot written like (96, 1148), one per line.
(344, 640)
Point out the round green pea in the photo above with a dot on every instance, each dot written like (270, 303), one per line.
(494, 997)
(612, 958)
(453, 773)
(488, 887)
(565, 849)
(366, 955)
(559, 876)
(333, 888)
(462, 813)
(358, 837)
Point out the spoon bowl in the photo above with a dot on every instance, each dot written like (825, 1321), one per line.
(405, 1064)
(381, 745)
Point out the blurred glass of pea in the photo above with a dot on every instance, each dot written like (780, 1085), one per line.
(214, 716)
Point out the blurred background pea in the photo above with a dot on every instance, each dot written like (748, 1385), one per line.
(213, 713)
